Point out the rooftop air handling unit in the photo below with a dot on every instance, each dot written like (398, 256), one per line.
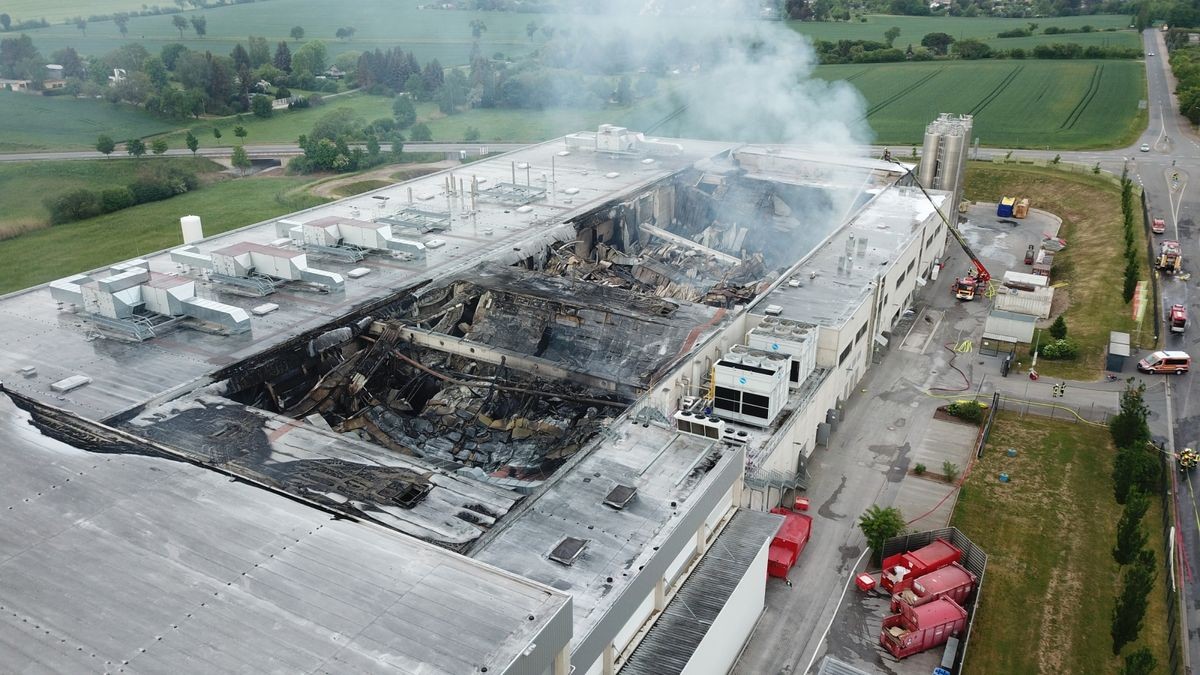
(750, 386)
(777, 335)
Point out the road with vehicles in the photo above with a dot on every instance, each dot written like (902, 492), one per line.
(1164, 173)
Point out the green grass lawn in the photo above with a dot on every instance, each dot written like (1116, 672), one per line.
(283, 126)
(25, 185)
(32, 123)
(1051, 580)
(913, 28)
(49, 254)
(1091, 211)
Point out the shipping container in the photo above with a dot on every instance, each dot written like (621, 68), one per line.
(952, 581)
(789, 542)
(916, 629)
(901, 569)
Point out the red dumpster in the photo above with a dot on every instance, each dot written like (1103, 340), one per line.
(788, 543)
(916, 629)
(865, 582)
(899, 570)
(952, 581)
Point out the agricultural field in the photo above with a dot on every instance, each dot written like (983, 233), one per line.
(913, 28)
(1016, 103)
(32, 123)
(25, 185)
(57, 10)
(1091, 211)
(429, 33)
(89, 244)
(1049, 534)
(446, 34)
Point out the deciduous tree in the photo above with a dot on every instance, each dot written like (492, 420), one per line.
(200, 25)
(179, 23)
(240, 160)
(297, 33)
(192, 143)
(158, 146)
(879, 524)
(106, 145)
(135, 147)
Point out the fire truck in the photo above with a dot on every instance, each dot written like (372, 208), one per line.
(1170, 257)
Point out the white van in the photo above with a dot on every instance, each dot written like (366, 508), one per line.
(1166, 362)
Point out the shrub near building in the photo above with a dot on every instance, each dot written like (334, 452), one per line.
(153, 184)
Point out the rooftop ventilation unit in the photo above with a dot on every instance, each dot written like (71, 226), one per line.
(734, 436)
(568, 550)
(699, 424)
(347, 238)
(786, 336)
(141, 304)
(751, 387)
(620, 496)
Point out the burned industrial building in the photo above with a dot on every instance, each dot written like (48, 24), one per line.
(582, 363)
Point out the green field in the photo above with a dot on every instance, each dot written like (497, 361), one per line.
(32, 122)
(913, 28)
(48, 254)
(429, 33)
(56, 10)
(446, 34)
(1017, 104)
(1051, 581)
(24, 185)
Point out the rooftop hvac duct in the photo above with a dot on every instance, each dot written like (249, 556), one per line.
(193, 231)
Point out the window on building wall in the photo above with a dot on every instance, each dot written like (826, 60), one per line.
(900, 279)
(861, 332)
(845, 353)
(911, 265)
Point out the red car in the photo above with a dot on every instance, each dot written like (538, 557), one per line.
(1158, 226)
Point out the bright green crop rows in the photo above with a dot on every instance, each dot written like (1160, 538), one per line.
(1061, 104)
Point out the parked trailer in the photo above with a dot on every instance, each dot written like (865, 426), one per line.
(916, 629)
(789, 542)
(952, 581)
(901, 569)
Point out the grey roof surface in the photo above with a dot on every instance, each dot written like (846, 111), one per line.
(661, 463)
(126, 562)
(671, 641)
(827, 296)
(338, 470)
(125, 375)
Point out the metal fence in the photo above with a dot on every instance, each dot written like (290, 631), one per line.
(986, 430)
(1168, 527)
(1027, 406)
(974, 559)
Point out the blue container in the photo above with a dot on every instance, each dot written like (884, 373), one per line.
(1012, 452)
(1004, 477)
